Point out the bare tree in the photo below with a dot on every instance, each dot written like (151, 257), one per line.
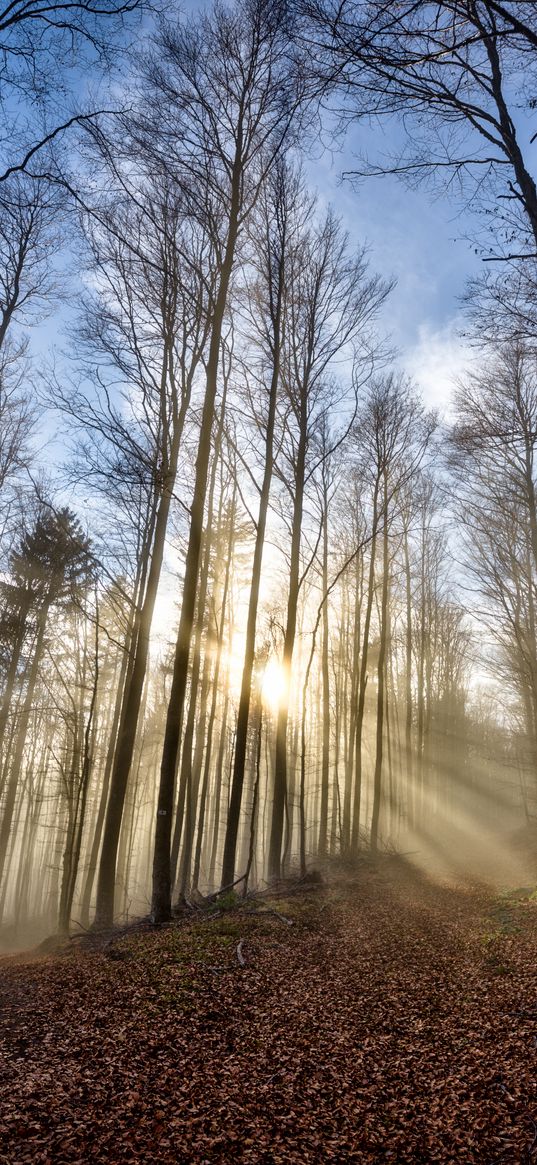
(443, 66)
(147, 327)
(18, 420)
(282, 204)
(332, 301)
(494, 443)
(235, 98)
(393, 433)
(30, 215)
(45, 48)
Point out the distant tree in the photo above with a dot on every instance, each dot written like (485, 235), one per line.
(393, 432)
(71, 681)
(328, 487)
(332, 301)
(494, 443)
(53, 558)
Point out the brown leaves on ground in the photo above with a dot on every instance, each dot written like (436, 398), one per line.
(395, 1021)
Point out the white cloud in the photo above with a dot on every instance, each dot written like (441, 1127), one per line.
(437, 361)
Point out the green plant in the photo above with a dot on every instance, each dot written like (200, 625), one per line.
(228, 901)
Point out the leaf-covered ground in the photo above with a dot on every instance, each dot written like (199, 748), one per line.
(395, 1020)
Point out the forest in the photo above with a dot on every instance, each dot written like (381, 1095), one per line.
(267, 618)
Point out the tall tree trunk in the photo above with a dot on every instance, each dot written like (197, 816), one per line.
(362, 681)
(255, 801)
(408, 681)
(232, 828)
(186, 796)
(161, 898)
(354, 690)
(337, 822)
(325, 675)
(218, 785)
(130, 712)
(103, 799)
(72, 852)
(212, 713)
(280, 764)
(420, 686)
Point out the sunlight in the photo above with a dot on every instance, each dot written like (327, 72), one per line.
(234, 661)
(273, 686)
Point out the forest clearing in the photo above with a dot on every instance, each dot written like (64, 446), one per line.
(383, 1016)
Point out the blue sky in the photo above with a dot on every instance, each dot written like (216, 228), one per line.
(417, 239)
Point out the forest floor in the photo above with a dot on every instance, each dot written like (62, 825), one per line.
(394, 1020)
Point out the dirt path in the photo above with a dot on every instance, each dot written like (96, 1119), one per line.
(393, 1021)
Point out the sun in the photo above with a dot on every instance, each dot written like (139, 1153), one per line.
(273, 685)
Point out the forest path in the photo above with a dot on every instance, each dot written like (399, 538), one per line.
(395, 1020)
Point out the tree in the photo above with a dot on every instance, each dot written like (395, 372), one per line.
(29, 234)
(331, 303)
(83, 662)
(150, 326)
(281, 206)
(444, 67)
(53, 558)
(493, 454)
(45, 48)
(393, 432)
(235, 98)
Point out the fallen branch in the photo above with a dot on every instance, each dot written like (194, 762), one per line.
(267, 910)
(223, 889)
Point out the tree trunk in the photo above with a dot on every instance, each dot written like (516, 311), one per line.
(161, 899)
(186, 794)
(232, 829)
(362, 682)
(104, 912)
(20, 740)
(325, 675)
(103, 799)
(408, 682)
(280, 765)
(212, 713)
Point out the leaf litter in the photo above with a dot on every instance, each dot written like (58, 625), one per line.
(394, 1021)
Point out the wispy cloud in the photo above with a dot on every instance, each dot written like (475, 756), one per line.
(437, 362)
